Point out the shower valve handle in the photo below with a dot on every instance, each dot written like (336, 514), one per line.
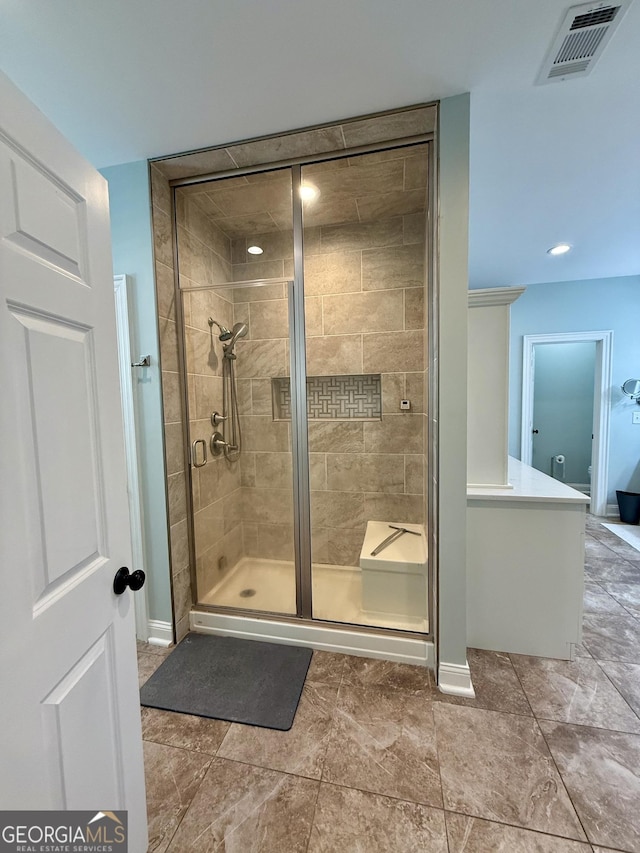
(218, 444)
(217, 418)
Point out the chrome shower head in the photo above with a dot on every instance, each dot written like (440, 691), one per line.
(225, 334)
(239, 331)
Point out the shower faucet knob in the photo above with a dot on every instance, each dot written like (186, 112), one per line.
(218, 444)
(217, 418)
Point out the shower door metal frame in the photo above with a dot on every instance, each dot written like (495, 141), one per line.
(299, 420)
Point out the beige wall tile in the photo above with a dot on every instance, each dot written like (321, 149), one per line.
(241, 314)
(208, 396)
(261, 397)
(337, 509)
(414, 228)
(313, 315)
(392, 126)
(165, 291)
(174, 448)
(177, 497)
(261, 358)
(200, 163)
(320, 544)
(401, 433)
(371, 472)
(364, 177)
(396, 266)
(243, 390)
(392, 391)
(207, 303)
(239, 250)
(338, 272)
(250, 539)
(361, 235)
(396, 509)
(237, 197)
(262, 434)
(200, 429)
(273, 470)
(391, 352)
(267, 506)
(289, 145)
(258, 269)
(168, 344)
(259, 293)
(171, 397)
(194, 258)
(317, 471)
(392, 204)
(329, 210)
(228, 476)
(415, 391)
(345, 547)
(179, 546)
(248, 469)
(275, 245)
(232, 511)
(160, 190)
(208, 477)
(208, 526)
(414, 308)
(275, 541)
(363, 312)
(204, 352)
(269, 319)
(334, 355)
(182, 594)
(338, 437)
(414, 474)
(162, 241)
(416, 170)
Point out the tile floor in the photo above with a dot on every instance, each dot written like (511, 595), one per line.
(545, 759)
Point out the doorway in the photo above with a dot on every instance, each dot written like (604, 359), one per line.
(565, 409)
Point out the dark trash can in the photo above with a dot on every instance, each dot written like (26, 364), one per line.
(629, 506)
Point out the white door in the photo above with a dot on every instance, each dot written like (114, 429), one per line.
(69, 715)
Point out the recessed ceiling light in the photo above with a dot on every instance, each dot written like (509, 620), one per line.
(308, 192)
(560, 249)
(255, 250)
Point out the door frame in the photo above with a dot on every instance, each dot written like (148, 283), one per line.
(122, 293)
(601, 405)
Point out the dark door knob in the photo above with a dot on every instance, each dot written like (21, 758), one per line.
(534, 431)
(124, 579)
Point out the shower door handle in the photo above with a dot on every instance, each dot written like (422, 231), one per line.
(194, 453)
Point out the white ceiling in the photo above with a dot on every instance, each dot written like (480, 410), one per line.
(131, 79)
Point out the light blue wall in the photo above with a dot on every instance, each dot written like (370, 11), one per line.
(132, 246)
(581, 306)
(563, 409)
(453, 228)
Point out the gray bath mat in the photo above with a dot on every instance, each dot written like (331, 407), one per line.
(242, 681)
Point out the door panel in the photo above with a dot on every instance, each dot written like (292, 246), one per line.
(70, 719)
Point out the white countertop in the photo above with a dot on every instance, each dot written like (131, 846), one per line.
(529, 485)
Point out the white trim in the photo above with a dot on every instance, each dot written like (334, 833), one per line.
(384, 647)
(160, 633)
(601, 406)
(612, 511)
(455, 679)
(122, 290)
(494, 296)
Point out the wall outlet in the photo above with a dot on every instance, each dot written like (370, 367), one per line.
(405, 405)
(635, 418)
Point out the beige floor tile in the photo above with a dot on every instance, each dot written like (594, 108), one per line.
(366, 672)
(611, 570)
(597, 600)
(495, 683)
(326, 667)
(239, 809)
(472, 835)
(627, 595)
(578, 693)
(612, 637)
(147, 665)
(626, 677)
(350, 821)
(383, 741)
(601, 770)
(173, 776)
(302, 749)
(199, 734)
(497, 766)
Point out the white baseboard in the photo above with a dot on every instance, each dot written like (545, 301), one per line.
(612, 511)
(455, 679)
(160, 633)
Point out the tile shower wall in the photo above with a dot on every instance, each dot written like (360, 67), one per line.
(364, 314)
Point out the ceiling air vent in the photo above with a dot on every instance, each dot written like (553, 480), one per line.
(583, 34)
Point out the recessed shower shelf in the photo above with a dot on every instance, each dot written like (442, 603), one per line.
(355, 397)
